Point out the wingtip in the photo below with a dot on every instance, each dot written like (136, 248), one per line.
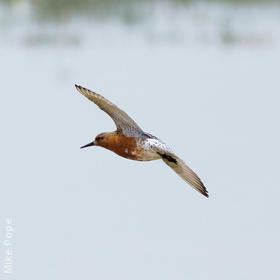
(81, 89)
(204, 191)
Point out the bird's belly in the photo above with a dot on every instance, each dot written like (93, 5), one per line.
(147, 155)
(138, 154)
(131, 148)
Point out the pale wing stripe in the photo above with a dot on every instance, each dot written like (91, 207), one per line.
(187, 174)
(124, 123)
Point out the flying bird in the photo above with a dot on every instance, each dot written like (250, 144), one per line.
(130, 141)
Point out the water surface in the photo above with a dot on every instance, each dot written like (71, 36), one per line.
(203, 76)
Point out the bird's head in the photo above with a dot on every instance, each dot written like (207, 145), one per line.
(100, 140)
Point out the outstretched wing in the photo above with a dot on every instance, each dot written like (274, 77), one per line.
(176, 164)
(124, 123)
(184, 172)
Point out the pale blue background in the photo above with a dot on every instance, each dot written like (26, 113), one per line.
(204, 77)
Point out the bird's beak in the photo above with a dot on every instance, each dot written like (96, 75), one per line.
(88, 145)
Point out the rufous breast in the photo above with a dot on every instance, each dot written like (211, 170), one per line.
(122, 145)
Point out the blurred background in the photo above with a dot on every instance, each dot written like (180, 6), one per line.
(202, 76)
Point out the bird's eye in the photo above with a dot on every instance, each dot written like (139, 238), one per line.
(99, 138)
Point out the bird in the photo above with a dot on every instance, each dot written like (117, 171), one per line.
(131, 142)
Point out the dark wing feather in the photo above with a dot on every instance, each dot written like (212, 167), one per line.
(124, 123)
(184, 172)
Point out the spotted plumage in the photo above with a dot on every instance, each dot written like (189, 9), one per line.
(130, 141)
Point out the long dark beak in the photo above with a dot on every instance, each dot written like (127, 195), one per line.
(88, 145)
